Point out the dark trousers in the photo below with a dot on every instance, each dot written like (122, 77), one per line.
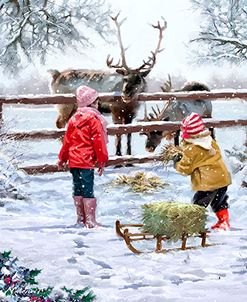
(217, 199)
(83, 182)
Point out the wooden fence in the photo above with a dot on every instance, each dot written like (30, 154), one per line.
(119, 129)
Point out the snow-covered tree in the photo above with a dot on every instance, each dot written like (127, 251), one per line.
(31, 29)
(223, 30)
(237, 159)
(12, 180)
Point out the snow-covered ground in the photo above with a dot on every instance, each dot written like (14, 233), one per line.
(41, 234)
(40, 231)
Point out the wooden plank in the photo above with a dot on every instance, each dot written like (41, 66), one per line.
(110, 97)
(1, 113)
(40, 169)
(124, 129)
(190, 96)
(47, 99)
(34, 135)
(170, 126)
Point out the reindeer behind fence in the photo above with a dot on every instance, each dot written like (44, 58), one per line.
(175, 111)
(131, 81)
(68, 80)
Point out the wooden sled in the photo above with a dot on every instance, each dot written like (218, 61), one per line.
(122, 230)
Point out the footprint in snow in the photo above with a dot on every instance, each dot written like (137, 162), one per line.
(100, 263)
(83, 272)
(72, 260)
(80, 243)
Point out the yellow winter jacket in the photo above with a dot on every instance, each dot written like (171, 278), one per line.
(206, 167)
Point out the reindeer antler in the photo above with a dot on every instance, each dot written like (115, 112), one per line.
(109, 60)
(153, 116)
(149, 64)
(156, 115)
(167, 86)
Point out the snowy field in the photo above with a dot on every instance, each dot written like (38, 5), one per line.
(42, 234)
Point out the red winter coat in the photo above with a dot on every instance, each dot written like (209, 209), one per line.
(84, 142)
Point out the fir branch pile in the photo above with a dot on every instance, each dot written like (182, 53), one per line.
(168, 153)
(140, 182)
(18, 284)
(173, 219)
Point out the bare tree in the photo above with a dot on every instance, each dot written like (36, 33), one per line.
(31, 29)
(223, 30)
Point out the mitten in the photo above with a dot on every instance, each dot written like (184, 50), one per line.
(177, 157)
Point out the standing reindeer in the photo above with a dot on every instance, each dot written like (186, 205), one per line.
(176, 111)
(68, 81)
(128, 81)
(133, 83)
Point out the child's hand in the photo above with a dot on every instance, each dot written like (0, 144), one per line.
(61, 165)
(100, 171)
(177, 157)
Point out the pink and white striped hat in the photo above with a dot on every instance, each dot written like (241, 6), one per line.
(192, 125)
(85, 96)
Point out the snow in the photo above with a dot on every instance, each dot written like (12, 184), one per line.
(40, 229)
(42, 235)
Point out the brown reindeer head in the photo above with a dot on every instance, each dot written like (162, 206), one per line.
(134, 79)
(154, 137)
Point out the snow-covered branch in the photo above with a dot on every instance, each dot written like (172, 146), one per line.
(222, 34)
(34, 28)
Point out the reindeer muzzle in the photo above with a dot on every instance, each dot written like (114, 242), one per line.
(126, 99)
(150, 149)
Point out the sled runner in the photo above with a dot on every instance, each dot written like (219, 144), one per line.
(123, 230)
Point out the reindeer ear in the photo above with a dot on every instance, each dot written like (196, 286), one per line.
(54, 73)
(145, 73)
(121, 71)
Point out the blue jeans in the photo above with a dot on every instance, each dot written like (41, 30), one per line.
(83, 182)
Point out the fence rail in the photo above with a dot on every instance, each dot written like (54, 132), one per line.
(123, 129)
(119, 129)
(47, 99)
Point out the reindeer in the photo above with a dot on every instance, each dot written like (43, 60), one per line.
(68, 80)
(129, 81)
(176, 111)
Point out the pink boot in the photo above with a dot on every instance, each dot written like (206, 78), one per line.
(90, 210)
(223, 222)
(81, 218)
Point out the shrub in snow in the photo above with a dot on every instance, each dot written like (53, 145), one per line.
(18, 283)
(237, 159)
(12, 180)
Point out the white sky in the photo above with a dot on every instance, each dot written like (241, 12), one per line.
(141, 38)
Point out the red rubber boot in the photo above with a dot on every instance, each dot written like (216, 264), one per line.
(223, 222)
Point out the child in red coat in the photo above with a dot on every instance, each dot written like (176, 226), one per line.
(84, 147)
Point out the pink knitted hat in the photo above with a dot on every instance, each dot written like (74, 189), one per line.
(192, 125)
(85, 96)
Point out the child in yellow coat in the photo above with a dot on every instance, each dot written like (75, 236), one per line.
(202, 160)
